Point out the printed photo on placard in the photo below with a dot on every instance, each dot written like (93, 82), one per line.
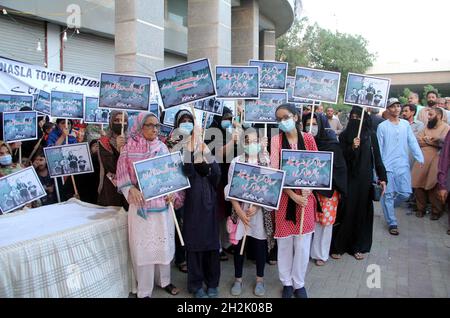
(290, 84)
(237, 82)
(185, 83)
(19, 126)
(256, 185)
(67, 105)
(68, 160)
(169, 115)
(124, 92)
(154, 108)
(165, 131)
(93, 114)
(307, 169)
(363, 90)
(273, 75)
(213, 106)
(42, 103)
(14, 102)
(318, 85)
(20, 188)
(262, 110)
(161, 175)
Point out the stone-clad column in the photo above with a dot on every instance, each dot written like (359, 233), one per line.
(139, 39)
(209, 30)
(267, 45)
(245, 32)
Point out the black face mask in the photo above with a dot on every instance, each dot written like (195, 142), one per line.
(117, 128)
(431, 103)
(432, 123)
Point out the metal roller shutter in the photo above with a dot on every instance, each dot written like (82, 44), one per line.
(18, 40)
(88, 54)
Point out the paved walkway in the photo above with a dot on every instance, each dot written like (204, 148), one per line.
(414, 264)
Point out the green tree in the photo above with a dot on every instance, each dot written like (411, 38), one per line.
(312, 46)
(404, 97)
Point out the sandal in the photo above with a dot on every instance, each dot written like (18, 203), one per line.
(394, 231)
(358, 256)
(171, 289)
(183, 267)
(336, 256)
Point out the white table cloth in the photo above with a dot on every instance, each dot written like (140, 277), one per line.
(73, 249)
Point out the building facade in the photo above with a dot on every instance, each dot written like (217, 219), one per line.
(141, 36)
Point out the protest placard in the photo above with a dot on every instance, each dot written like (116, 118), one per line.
(212, 105)
(317, 85)
(42, 103)
(237, 82)
(68, 160)
(262, 110)
(14, 102)
(161, 175)
(290, 84)
(366, 91)
(124, 92)
(20, 188)
(67, 105)
(93, 114)
(311, 170)
(19, 126)
(185, 83)
(256, 185)
(273, 75)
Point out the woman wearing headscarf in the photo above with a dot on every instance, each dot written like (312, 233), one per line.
(354, 226)
(200, 220)
(293, 243)
(7, 166)
(150, 225)
(109, 147)
(328, 200)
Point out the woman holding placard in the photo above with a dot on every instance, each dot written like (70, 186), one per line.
(252, 221)
(293, 243)
(150, 225)
(200, 219)
(328, 200)
(354, 226)
(109, 147)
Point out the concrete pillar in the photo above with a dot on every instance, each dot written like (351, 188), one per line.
(209, 31)
(139, 39)
(267, 45)
(245, 32)
(53, 46)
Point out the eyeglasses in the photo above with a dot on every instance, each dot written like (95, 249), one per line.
(151, 126)
(279, 120)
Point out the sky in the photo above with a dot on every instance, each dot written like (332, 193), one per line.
(399, 31)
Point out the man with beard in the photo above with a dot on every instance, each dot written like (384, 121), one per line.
(396, 140)
(424, 178)
(432, 98)
(408, 114)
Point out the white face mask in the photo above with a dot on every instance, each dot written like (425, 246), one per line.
(313, 131)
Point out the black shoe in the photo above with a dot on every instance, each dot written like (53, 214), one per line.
(288, 292)
(223, 256)
(300, 293)
(229, 250)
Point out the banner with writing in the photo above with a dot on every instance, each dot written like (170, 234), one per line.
(185, 83)
(22, 78)
(307, 169)
(256, 185)
(273, 75)
(237, 82)
(42, 104)
(20, 126)
(66, 105)
(262, 110)
(124, 92)
(161, 176)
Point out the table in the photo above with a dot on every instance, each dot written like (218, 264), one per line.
(72, 249)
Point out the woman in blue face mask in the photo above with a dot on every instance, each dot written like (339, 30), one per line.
(293, 246)
(6, 163)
